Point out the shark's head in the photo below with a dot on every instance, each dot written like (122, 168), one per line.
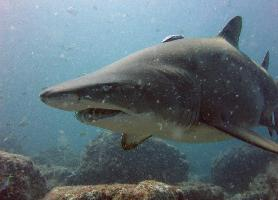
(96, 98)
(117, 96)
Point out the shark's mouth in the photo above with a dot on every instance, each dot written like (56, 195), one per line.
(94, 114)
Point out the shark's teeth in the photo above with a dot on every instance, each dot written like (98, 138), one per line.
(94, 114)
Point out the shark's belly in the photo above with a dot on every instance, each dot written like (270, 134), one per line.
(200, 133)
(150, 125)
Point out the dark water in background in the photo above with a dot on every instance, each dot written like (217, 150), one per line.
(46, 42)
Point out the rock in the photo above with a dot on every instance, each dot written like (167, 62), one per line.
(146, 190)
(198, 190)
(106, 162)
(259, 185)
(272, 179)
(57, 163)
(55, 175)
(61, 155)
(11, 142)
(259, 188)
(19, 179)
(234, 170)
(251, 195)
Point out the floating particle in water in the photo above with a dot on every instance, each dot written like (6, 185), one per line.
(62, 56)
(124, 15)
(62, 139)
(12, 28)
(139, 82)
(72, 11)
(160, 126)
(157, 30)
(82, 134)
(107, 131)
(69, 47)
(23, 122)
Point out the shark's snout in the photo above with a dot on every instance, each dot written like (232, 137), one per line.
(59, 98)
(44, 95)
(49, 94)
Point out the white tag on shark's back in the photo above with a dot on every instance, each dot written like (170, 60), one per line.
(170, 38)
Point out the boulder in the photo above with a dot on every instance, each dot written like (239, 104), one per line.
(272, 179)
(11, 142)
(146, 190)
(262, 187)
(19, 179)
(106, 162)
(250, 195)
(55, 175)
(235, 169)
(257, 190)
(61, 155)
(259, 186)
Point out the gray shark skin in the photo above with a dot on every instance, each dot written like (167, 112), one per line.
(189, 90)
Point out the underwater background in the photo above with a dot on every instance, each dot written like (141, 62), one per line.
(43, 43)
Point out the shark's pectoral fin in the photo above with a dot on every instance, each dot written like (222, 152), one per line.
(249, 136)
(130, 141)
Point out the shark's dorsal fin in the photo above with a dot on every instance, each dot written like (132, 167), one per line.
(265, 62)
(231, 31)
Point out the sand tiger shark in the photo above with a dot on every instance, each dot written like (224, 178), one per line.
(189, 90)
